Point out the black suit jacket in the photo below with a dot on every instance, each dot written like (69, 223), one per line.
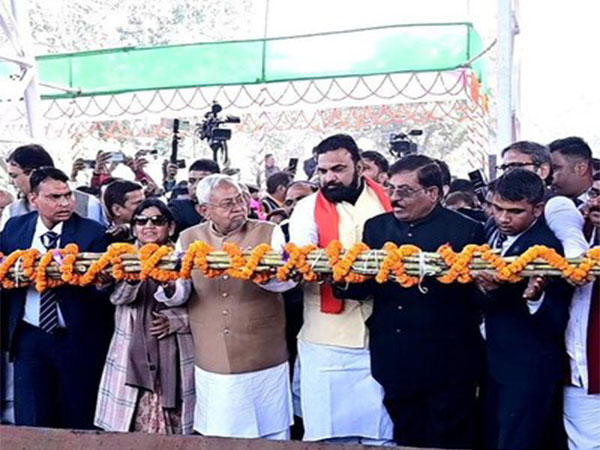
(87, 312)
(185, 214)
(423, 340)
(523, 347)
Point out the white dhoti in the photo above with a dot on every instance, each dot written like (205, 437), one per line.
(338, 397)
(582, 418)
(247, 405)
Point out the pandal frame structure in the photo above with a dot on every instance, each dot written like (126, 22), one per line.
(406, 265)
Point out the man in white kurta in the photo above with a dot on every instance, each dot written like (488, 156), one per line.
(338, 398)
(241, 368)
(582, 339)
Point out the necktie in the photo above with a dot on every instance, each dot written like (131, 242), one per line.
(48, 305)
(500, 239)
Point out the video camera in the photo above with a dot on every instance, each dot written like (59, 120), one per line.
(211, 131)
(401, 144)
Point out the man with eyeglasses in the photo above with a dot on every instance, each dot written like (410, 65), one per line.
(339, 399)
(185, 210)
(582, 393)
(424, 340)
(560, 212)
(241, 368)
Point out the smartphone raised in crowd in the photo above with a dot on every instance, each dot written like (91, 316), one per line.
(292, 165)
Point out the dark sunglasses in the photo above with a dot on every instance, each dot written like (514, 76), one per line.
(154, 220)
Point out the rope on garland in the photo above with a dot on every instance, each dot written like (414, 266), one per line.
(407, 265)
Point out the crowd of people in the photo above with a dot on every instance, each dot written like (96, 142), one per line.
(487, 364)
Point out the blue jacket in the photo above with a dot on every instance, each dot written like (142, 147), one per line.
(87, 312)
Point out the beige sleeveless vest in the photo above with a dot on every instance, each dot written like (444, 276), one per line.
(237, 326)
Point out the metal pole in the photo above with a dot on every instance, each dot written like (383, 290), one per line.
(32, 98)
(504, 102)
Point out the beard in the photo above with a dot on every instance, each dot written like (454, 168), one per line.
(338, 192)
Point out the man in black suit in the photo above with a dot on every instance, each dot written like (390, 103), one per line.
(424, 340)
(58, 339)
(524, 326)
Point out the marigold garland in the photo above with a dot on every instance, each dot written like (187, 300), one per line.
(118, 269)
(255, 257)
(392, 263)
(6, 266)
(341, 270)
(236, 260)
(41, 280)
(113, 253)
(458, 263)
(297, 259)
(67, 268)
(340, 262)
(401, 277)
(333, 251)
(150, 255)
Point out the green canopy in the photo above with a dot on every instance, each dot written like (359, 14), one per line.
(372, 51)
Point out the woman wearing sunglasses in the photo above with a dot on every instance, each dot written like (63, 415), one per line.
(148, 384)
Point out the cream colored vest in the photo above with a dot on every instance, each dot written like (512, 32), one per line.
(348, 328)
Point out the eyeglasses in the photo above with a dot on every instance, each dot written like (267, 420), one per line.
(401, 192)
(593, 193)
(292, 201)
(157, 221)
(230, 203)
(516, 165)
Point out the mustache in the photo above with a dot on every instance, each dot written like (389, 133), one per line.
(594, 209)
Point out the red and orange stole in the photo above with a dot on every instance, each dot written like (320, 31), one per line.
(328, 220)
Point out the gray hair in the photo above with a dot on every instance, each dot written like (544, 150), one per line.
(540, 154)
(211, 182)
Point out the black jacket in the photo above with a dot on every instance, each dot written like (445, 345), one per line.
(523, 347)
(185, 214)
(422, 340)
(87, 312)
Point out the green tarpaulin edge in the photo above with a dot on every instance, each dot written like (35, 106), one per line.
(385, 50)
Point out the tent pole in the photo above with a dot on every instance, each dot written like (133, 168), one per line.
(505, 106)
(20, 10)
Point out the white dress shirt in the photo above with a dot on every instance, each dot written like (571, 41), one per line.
(532, 305)
(566, 222)
(32, 300)
(576, 334)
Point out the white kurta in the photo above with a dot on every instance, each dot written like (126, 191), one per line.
(581, 410)
(337, 394)
(245, 405)
(582, 418)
